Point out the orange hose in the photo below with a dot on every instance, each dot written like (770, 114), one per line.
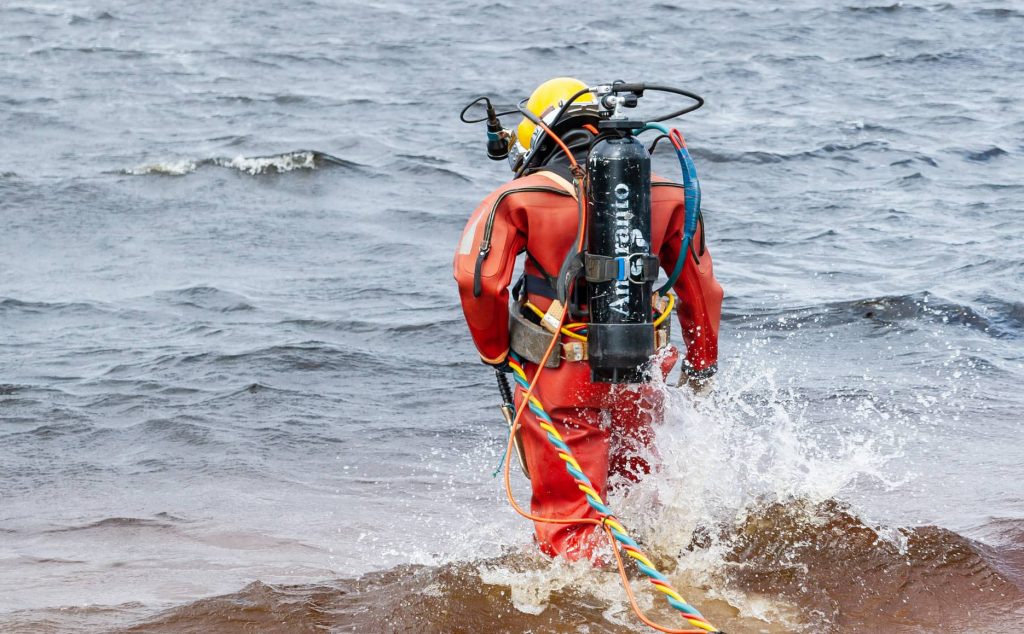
(536, 376)
(515, 427)
(561, 144)
(632, 599)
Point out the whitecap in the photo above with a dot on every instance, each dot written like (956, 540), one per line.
(166, 168)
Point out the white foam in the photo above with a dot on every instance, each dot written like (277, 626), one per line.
(167, 168)
(253, 166)
(531, 589)
(265, 164)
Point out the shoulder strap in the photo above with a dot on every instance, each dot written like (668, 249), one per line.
(558, 180)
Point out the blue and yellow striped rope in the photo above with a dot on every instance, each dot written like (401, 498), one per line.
(660, 581)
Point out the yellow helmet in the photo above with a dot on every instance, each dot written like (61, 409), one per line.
(544, 103)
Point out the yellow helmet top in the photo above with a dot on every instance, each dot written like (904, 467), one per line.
(545, 102)
(547, 99)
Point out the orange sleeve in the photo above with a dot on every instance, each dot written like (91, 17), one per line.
(485, 298)
(700, 294)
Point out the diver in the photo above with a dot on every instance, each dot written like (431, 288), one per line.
(607, 425)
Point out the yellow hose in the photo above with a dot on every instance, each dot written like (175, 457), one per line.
(568, 333)
(668, 310)
(565, 331)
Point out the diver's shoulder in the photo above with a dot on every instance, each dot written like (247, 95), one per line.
(665, 191)
(538, 179)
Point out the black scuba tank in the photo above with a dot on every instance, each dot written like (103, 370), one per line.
(619, 267)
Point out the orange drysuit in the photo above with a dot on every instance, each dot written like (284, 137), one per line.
(606, 426)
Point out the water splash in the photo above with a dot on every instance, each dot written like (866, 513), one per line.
(722, 459)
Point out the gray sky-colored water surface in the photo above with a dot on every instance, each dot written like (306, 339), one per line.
(230, 346)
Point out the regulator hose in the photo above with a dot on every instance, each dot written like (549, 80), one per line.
(488, 107)
(638, 88)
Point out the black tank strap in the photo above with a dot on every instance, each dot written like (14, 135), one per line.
(539, 286)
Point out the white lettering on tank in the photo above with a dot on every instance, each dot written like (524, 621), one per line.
(624, 237)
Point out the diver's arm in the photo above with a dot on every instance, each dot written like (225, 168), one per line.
(700, 299)
(484, 295)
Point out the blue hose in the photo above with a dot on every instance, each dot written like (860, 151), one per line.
(691, 189)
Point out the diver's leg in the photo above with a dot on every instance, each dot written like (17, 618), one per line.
(635, 410)
(555, 492)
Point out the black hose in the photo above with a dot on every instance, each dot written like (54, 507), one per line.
(654, 143)
(677, 91)
(462, 115)
(638, 88)
(504, 387)
(569, 102)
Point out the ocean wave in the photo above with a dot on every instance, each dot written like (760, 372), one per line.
(117, 523)
(909, 180)
(305, 356)
(207, 298)
(835, 151)
(185, 430)
(340, 325)
(254, 165)
(916, 159)
(9, 305)
(426, 166)
(121, 54)
(925, 574)
(302, 356)
(981, 156)
(407, 598)
(165, 168)
(102, 16)
(1007, 314)
(1000, 13)
(883, 8)
(897, 7)
(887, 310)
(283, 99)
(783, 555)
(34, 101)
(919, 58)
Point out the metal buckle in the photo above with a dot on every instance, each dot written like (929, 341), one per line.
(629, 271)
(574, 351)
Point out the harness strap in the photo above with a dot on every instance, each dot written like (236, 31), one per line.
(637, 268)
(540, 268)
(533, 285)
(530, 341)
